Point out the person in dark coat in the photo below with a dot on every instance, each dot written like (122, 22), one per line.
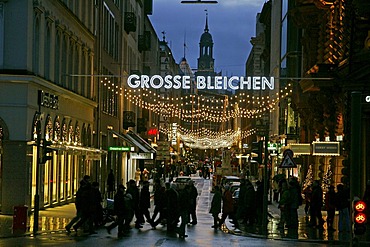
(110, 184)
(78, 204)
(87, 206)
(184, 207)
(144, 203)
(159, 202)
(133, 190)
(172, 208)
(330, 207)
(316, 205)
(98, 209)
(241, 212)
(342, 204)
(119, 210)
(215, 209)
(227, 205)
(250, 203)
(193, 202)
(295, 202)
(284, 204)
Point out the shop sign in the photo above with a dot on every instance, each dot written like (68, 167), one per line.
(300, 148)
(123, 148)
(174, 134)
(326, 148)
(141, 156)
(48, 100)
(93, 156)
(152, 132)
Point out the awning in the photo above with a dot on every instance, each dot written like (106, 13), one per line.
(139, 142)
(123, 137)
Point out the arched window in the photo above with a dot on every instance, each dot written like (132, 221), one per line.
(36, 44)
(49, 129)
(64, 131)
(36, 127)
(70, 133)
(77, 134)
(57, 130)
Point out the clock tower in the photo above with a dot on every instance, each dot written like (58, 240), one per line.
(205, 60)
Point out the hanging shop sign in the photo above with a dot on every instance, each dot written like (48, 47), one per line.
(300, 148)
(201, 82)
(326, 148)
(174, 134)
(93, 157)
(141, 156)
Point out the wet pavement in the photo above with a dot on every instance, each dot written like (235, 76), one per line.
(54, 220)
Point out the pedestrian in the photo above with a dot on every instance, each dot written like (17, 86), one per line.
(119, 210)
(144, 204)
(307, 197)
(215, 209)
(78, 205)
(330, 207)
(316, 220)
(295, 202)
(133, 190)
(137, 176)
(227, 205)
(159, 202)
(342, 204)
(193, 202)
(183, 209)
(97, 208)
(87, 206)
(172, 208)
(110, 184)
(250, 204)
(241, 211)
(284, 204)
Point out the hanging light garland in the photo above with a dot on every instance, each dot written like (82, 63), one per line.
(218, 110)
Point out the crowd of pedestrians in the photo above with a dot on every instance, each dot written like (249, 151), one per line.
(173, 208)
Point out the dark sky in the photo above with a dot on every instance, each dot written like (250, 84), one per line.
(231, 23)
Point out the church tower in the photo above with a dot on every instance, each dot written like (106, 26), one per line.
(206, 60)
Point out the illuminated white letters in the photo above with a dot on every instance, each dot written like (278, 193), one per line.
(203, 82)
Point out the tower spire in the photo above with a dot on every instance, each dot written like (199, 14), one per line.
(206, 28)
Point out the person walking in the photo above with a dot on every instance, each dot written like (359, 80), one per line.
(184, 207)
(87, 206)
(342, 204)
(316, 205)
(215, 209)
(144, 204)
(78, 204)
(284, 204)
(227, 205)
(133, 190)
(295, 202)
(193, 192)
(172, 208)
(330, 207)
(119, 210)
(250, 204)
(159, 202)
(97, 213)
(110, 184)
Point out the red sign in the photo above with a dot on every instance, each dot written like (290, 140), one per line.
(152, 132)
